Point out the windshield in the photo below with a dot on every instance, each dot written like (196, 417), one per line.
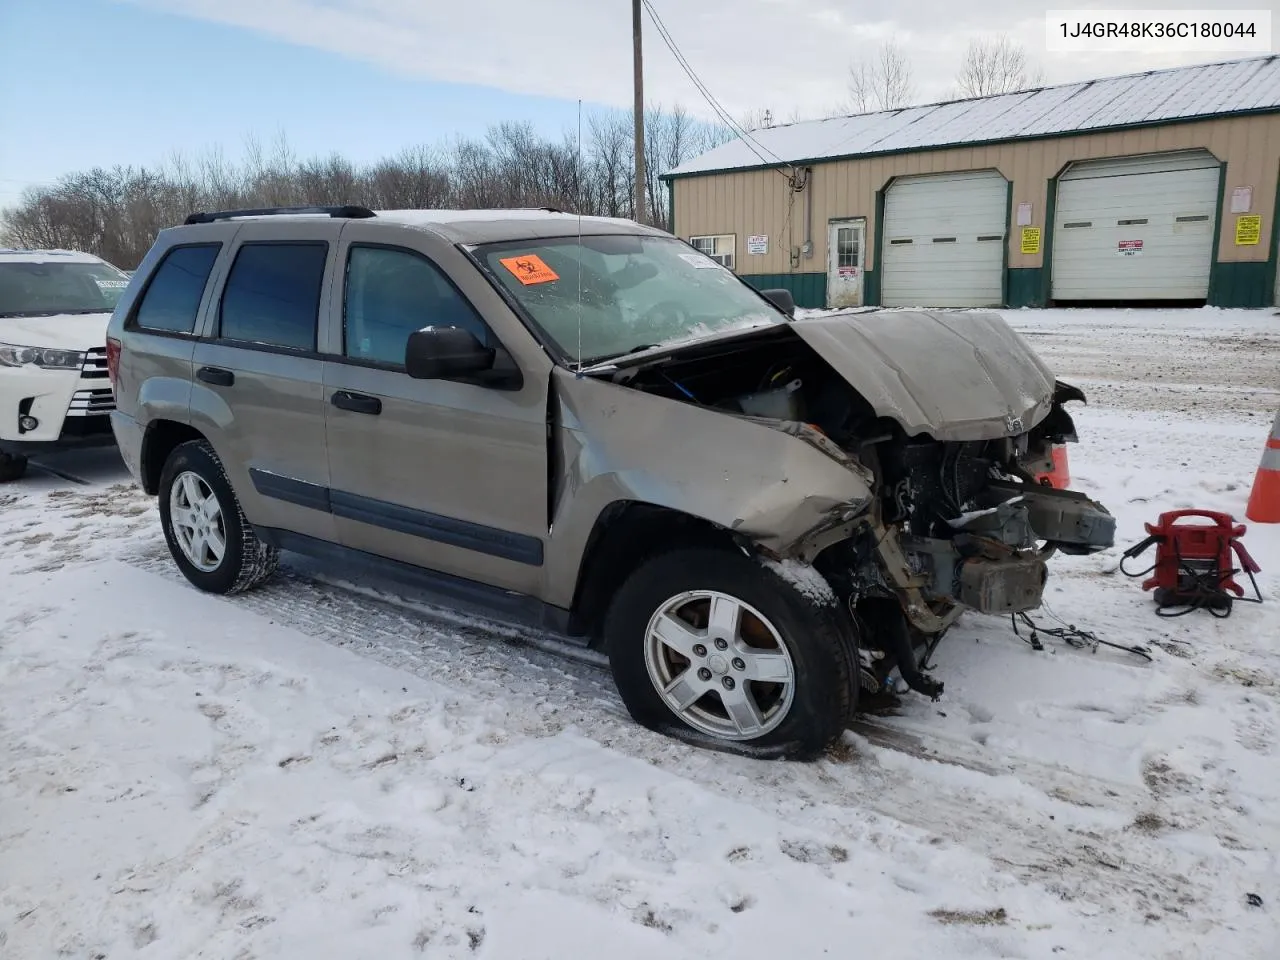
(629, 292)
(45, 288)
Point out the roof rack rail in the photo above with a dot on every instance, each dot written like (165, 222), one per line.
(347, 212)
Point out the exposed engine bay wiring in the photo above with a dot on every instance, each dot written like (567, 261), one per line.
(944, 525)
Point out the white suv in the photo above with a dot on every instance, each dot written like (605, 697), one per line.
(54, 386)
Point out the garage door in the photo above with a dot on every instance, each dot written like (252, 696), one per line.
(944, 240)
(1135, 228)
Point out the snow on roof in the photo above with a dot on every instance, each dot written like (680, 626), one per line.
(1158, 96)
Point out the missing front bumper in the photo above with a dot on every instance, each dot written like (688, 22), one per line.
(982, 575)
(1002, 586)
(1065, 519)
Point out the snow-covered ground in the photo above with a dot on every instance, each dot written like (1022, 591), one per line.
(312, 771)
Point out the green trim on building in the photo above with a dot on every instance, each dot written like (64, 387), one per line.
(1216, 276)
(1272, 256)
(1008, 237)
(808, 289)
(1240, 284)
(1024, 287)
(969, 145)
(870, 287)
(1046, 238)
(671, 208)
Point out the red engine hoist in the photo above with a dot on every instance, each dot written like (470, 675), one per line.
(1194, 566)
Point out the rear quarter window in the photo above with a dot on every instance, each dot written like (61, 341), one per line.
(172, 298)
(272, 295)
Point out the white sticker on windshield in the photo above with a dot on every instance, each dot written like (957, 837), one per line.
(699, 261)
(112, 284)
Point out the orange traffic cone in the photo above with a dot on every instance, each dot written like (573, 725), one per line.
(1060, 476)
(1264, 502)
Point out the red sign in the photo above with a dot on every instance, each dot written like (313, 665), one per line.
(1129, 248)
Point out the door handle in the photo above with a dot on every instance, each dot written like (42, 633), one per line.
(216, 376)
(356, 402)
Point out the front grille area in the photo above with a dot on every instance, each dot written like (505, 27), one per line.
(88, 403)
(95, 364)
(77, 428)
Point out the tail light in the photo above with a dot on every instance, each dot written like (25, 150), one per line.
(113, 361)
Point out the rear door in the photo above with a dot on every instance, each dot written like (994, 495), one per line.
(258, 383)
(159, 328)
(444, 475)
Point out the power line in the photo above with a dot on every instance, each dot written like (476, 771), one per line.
(702, 88)
(751, 143)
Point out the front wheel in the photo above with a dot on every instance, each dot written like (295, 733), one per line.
(12, 467)
(209, 538)
(718, 648)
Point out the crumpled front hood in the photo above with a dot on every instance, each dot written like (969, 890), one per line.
(953, 376)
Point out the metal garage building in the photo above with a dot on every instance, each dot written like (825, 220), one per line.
(1155, 187)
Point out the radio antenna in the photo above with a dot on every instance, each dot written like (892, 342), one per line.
(579, 206)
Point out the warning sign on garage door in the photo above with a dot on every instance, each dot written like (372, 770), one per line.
(1129, 248)
(1030, 239)
(1248, 230)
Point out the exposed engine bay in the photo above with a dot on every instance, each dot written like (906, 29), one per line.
(953, 525)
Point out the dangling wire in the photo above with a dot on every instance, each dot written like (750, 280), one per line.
(1071, 635)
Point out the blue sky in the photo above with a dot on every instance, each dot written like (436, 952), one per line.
(105, 82)
(95, 82)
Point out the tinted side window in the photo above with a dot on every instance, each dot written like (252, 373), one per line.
(272, 294)
(389, 294)
(173, 295)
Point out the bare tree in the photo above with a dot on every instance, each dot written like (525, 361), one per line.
(609, 142)
(760, 118)
(995, 65)
(116, 213)
(882, 83)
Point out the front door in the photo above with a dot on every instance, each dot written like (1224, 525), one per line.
(443, 475)
(846, 259)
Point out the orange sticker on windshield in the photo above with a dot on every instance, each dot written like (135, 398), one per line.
(530, 269)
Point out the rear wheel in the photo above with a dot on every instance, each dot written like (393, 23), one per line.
(12, 467)
(714, 647)
(209, 538)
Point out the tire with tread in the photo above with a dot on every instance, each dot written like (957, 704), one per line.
(820, 638)
(12, 467)
(248, 561)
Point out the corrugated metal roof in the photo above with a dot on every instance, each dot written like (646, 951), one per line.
(1159, 96)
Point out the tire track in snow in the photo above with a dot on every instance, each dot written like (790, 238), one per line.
(1071, 833)
(1091, 841)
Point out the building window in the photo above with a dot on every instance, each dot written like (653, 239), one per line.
(847, 253)
(719, 248)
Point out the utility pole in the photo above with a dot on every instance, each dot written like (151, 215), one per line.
(638, 56)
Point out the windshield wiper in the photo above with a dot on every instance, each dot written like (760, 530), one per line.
(30, 313)
(606, 357)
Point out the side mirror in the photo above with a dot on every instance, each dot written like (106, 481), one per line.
(441, 353)
(781, 299)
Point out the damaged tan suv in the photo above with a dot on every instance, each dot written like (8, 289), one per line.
(587, 426)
